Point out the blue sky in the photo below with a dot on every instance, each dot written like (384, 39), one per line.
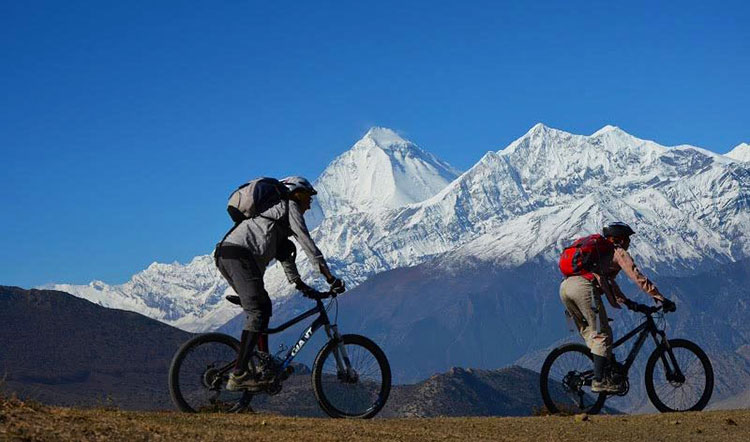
(124, 125)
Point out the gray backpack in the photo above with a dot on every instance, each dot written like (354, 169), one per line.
(255, 197)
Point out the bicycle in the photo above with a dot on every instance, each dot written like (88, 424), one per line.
(351, 375)
(678, 374)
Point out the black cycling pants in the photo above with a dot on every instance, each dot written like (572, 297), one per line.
(242, 273)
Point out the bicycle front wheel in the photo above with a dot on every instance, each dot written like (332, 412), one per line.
(354, 383)
(565, 381)
(679, 378)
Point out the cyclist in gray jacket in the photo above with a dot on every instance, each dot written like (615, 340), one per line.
(244, 254)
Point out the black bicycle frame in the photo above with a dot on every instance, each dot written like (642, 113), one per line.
(321, 321)
(648, 327)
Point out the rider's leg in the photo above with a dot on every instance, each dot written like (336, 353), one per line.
(597, 334)
(257, 308)
(582, 300)
(247, 280)
(606, 331)
(600, 363)
(247, 343)
(263, 343)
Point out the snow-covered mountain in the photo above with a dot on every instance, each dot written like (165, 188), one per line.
(741, 152)
(689, 206)
(381, 171)
(183, 295)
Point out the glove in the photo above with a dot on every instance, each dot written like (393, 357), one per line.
(643, 308)
(640, 308)
(668, 306)
(337, 286)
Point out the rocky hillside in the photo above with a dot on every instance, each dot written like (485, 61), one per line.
(63, 350)
(512, 391)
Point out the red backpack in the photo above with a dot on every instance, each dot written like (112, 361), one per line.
(587, 255)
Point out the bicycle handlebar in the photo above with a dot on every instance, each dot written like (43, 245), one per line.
(314, 294)
(646, 309)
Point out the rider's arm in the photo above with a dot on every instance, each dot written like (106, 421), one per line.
(292, 274)
(286, 255)
(302, 235)
(618, 294)
(290, 270)
(625, 261)
(610, 289)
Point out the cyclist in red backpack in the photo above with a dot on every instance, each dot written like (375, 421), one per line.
(590, 267)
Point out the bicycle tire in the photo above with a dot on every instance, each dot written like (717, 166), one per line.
(174, 369)
(326, 403)
(544, 381)
(708, 387)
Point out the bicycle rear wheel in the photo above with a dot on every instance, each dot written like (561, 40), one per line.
(199, 372)
(688, 390)
(363, 392)
(565, 381)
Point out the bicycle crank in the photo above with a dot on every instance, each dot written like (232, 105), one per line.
(624, 388)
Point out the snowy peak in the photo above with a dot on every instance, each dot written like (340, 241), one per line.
(605, 129)
(741, 152)
(554, 160)
(381, 137)
(539, 130)
(381, 171)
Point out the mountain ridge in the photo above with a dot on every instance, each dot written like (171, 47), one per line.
(741, 152)
(517, 204)
(380, 171)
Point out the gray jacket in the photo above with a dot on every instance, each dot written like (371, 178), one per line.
(262, 234)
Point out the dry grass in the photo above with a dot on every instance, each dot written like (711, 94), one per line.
(32, 421)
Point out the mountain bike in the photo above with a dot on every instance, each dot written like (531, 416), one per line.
(351, 375)
(678, 374)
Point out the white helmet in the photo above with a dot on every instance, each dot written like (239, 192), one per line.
(299, 183)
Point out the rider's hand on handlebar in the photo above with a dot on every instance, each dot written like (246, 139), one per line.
(668, 306)
(640, 308)
(337, 286)
(310, 293)
(645, 309)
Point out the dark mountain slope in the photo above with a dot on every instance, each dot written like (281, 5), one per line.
(511, 391)
(60, 349)
(438, 315)
(428, 319)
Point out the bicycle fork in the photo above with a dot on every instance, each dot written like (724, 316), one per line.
(673, 372)
(344, 367)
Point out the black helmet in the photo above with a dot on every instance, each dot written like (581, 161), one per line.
(618, 229)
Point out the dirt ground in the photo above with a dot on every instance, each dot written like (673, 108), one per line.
(31, 421)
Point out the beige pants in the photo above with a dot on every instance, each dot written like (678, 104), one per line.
(584, 302)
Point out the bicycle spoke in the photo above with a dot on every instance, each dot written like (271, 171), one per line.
(356, 392)
(203, 374)
(564, 378)
(680, 396)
